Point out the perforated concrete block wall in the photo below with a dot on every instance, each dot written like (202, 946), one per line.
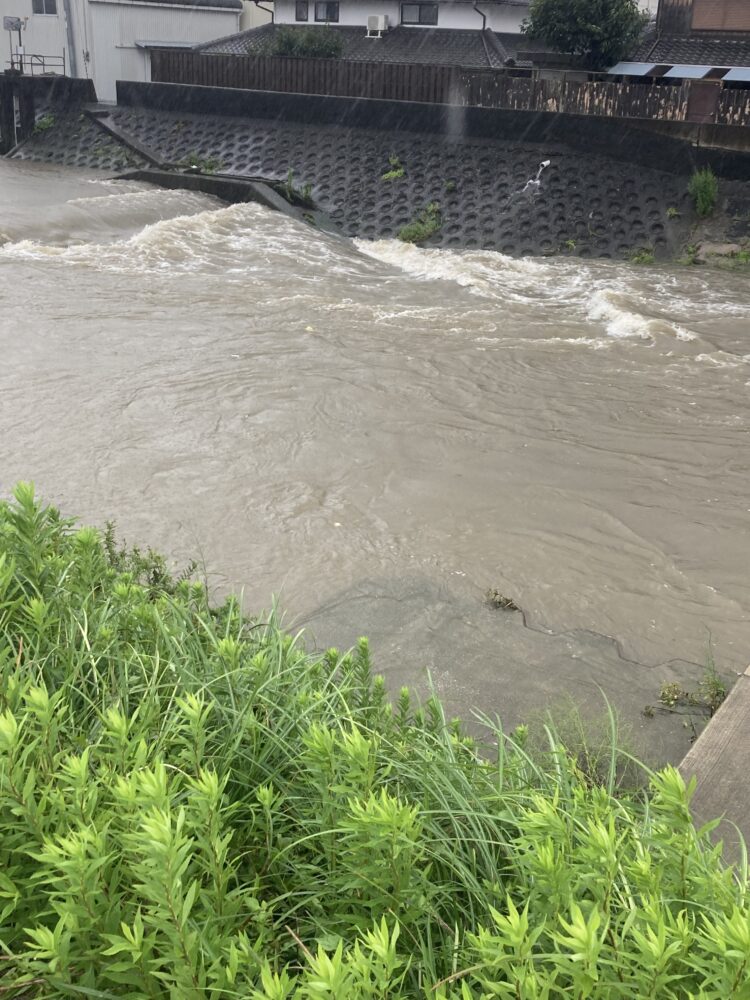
(585, 205)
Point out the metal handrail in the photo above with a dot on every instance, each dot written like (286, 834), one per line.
(35, 64)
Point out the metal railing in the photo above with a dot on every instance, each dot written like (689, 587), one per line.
(33, 64)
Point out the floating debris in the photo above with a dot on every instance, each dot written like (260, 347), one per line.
(497, 600)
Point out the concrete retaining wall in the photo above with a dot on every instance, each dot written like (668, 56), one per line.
(674, 149)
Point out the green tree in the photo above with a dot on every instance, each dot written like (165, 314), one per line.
(598, 32)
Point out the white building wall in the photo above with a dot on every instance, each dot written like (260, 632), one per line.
(253, 16)
(44, 34)
(105, 33)
(116, 25)
(500, 16)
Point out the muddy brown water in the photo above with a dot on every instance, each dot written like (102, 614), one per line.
(378, 433)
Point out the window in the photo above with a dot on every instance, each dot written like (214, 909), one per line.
(419, 13)
(326, 11)
(44, 6)
(301, 12)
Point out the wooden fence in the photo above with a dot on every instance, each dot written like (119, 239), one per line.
(498, 89)
(486, 88)
(295, 75)
(733, 108)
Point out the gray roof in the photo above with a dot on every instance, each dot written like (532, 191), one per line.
(700, 50)
(398, 45)
(224, 4)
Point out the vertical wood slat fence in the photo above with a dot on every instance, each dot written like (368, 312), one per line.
(486, 88)
(734, 108)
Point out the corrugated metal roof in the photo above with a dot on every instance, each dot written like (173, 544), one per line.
(689, 72)
(633, 69)
(740, 74)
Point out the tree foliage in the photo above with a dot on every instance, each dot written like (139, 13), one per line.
(319, 43)
(598, 32)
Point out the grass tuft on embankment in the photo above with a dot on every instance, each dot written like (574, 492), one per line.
(192, 806)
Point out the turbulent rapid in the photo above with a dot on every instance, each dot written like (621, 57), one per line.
(352, 425)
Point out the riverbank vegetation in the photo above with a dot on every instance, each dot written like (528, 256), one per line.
(426, 224)
(193, 806)
(703, 188)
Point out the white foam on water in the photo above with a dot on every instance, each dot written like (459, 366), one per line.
(484, 271)
(622, 319)
(619, 322)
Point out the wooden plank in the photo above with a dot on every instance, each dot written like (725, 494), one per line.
(720, 762)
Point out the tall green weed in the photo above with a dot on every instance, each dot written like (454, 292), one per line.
(703, 188)
(193, 806)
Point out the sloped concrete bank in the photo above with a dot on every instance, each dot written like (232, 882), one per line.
(496, 180)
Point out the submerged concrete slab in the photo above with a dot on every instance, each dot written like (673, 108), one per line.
(426, 633)
(720, 761)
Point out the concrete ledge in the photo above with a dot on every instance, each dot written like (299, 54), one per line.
(230, 189)
(104, 121)
(720, 761)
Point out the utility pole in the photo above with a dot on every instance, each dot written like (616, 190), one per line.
(73, 62)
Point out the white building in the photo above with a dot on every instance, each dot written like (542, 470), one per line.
(504, 16)
(465, 15)
(108, 40)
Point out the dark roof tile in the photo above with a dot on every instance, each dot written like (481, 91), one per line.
(398, 45)
(695, 50)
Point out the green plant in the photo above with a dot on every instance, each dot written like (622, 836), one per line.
(703, 188)
(598, 32)
(44, 123)
(570, 244)
(672, 213)
(320, 43)
(397, 169)
(426, 224)
(203, 164)
(691, 255)
(708, 696)
(641, 255)
(194, 807)
(449, 186)
(294, 195)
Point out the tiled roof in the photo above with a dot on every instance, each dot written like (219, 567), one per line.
(398, 45)
(695, 50)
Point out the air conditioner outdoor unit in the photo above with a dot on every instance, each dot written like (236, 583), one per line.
(376, 25)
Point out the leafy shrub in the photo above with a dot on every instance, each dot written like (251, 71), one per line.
(641, 255)
(397, 170)
(320, 43)
(703, 188)
(425, 225)
(294, 195)
(193, 807)
(43, 123)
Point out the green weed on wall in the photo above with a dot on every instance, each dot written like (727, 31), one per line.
(192, 806)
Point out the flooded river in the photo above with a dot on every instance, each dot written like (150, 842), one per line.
(379, 433)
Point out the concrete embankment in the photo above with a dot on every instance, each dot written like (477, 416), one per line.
(372, 167)
(719, 760)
